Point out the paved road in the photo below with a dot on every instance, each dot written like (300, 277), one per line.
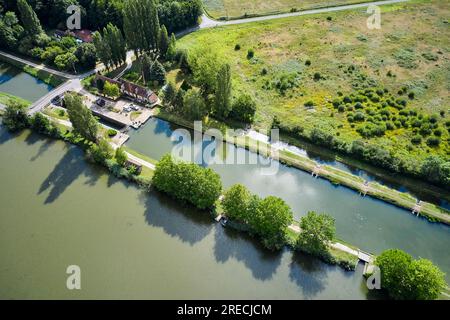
(70, 85)
(210, 23)
(129, 60)
(39, 66)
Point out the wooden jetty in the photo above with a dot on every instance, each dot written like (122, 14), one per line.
(316, 171)
(364, 189)
(417, 208)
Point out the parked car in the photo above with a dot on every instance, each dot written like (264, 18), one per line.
(100, 102)
(57, 101)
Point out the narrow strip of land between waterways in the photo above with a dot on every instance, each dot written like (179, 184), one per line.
(336, 176)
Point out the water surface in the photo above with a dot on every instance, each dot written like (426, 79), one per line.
(58, 210)
(370, 224)
(20, 84)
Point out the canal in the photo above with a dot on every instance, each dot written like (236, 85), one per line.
(367, 223)
(18, 83)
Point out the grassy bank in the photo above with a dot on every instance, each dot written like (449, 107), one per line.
(6, 99)
(42, 75)
(335, 176)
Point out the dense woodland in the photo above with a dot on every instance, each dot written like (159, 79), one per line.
(96, 14)
(26, 27)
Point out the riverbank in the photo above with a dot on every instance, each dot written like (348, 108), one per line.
(6, 99)
(337, 177)
(42, 75)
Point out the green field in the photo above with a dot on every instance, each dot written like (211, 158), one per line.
(232, 9)
(407, 62)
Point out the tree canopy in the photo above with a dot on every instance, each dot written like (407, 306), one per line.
(81, 117)
(317, 230)
(188, 182)
(405, 278)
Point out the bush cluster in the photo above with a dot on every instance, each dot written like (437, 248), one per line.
(268, 218)
(188, 182)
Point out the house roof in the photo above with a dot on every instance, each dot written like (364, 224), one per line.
(132, 89)
(84, 35)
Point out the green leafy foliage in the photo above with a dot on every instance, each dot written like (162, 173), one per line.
(317, 230)
(188, 182)
(81, 117)
(405, 278)
(15, 117)
(244, 109)
(268, 217)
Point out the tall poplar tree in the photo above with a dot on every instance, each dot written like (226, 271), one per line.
(163, 41)
(84, 123)
(29, 18)
(141, 24)
(223, 91)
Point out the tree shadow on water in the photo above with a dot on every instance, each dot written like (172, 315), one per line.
(5, 135)
(32, 138)
(233, 244)
(309, 273)
(180, 221)
(47, 143)
(68, 169)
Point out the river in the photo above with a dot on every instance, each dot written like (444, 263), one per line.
(58, 210)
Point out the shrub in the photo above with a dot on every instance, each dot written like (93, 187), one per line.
(111, 133)
(309, 104)
(433, 141)
(42, 124)
(250, 53)
(121, 156)
(308, 63)
(188, 182)
(317, 76)
(237, 47)
(15, 117)
(359, 116)
(417, 139)
(100, 152)
(433, 118)
(244, 109)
